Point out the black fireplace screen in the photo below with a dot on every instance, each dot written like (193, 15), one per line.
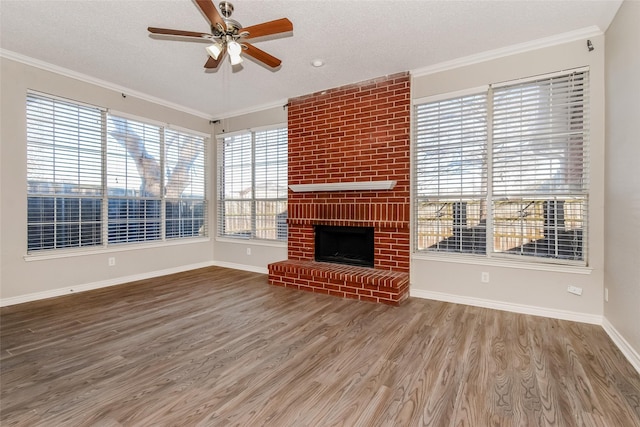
(344, 245)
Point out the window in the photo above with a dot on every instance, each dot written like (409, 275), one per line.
(252, 185)
(96, 179)
(451, 184)
(503, 172)
(64, 173)
(133, 180)
(184, 189)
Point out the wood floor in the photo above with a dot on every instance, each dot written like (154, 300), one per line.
(219, 347)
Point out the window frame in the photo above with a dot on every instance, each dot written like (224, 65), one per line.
(252, 201)
(491, 255)
(105, 243)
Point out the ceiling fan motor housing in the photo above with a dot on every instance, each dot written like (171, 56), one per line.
(233, 28)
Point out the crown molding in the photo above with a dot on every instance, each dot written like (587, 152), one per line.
(583, 33)
(98, 82)
(257, 109)
(580, 34)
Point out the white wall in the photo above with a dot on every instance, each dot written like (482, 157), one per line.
(233, 252)
(622, 180)
(520, 286)
(23, 280)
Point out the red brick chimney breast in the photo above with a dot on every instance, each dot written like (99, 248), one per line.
(354, 133)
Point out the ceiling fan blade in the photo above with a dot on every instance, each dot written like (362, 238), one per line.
(261, 55)
(212, 14)
(213, 63)
(168, 31)
(282, 25)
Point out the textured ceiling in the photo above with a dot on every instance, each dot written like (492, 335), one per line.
(107, 40)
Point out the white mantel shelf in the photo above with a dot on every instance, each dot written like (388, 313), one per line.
(343, 186)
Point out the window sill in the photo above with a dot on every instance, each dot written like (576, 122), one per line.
(504, 263)
(75, 252)
(253, 242)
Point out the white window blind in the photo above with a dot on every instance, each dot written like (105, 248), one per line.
(64, 175)
(451, 174)
(270, 167)
(252, 180)
(184, 188)
(235, 190)
(517, 188)
(540, 167)
(134, 180)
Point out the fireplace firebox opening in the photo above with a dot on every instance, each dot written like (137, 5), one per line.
(344, 245)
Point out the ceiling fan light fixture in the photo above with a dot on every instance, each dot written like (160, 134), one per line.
(214, 50)
(234, 49)
(235, 60)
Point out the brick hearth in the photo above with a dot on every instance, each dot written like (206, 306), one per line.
(345, 281)
(357, 133)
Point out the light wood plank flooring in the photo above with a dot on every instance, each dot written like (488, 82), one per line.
(220, 347)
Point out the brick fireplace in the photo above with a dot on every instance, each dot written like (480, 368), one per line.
(349, 165)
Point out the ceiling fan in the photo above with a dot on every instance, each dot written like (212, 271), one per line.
(228, 36)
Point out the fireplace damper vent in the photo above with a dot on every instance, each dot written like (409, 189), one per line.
(344, 245)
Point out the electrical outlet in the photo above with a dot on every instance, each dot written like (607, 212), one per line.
(112, 261)
(574, 290)
(606, 294)
(248, 251)
(484, 277)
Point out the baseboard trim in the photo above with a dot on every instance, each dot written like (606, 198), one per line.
(515, 308)
(632, 356)
(100, 284)
(244, 267)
